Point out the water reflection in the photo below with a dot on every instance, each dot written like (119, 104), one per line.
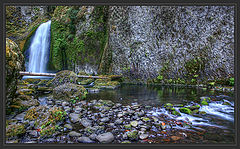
(153, 95)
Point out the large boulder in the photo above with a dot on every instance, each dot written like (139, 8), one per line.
(63, 77)
(14, 64)
(69, 91)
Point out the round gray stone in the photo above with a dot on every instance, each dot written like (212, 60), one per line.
(105, 137)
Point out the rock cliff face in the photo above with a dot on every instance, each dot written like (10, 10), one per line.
(140, 42)
(22, 22)
(14, 64)
(172, 41)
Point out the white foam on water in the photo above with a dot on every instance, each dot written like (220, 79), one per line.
(219, 110)
(215, 108)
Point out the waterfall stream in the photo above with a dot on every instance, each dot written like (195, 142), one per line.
(39, 49)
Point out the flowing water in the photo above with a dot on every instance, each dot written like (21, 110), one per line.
(218, 123)
(39, 49)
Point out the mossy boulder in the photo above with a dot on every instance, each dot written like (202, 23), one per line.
(106, 83)
(47, 120)
(185, 110)
(15, 130)
(63, 77)
(205, 100)
(86, 81)
(69, 91)
(14, 64)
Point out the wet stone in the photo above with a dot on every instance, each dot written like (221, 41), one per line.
(85, 140)
(31, 142)
(143, 136)
(20, 117)
(118, 121)
(50, 140)
(125, 136)
(134, 123)
(49, 102)
(105, 119)
(74, 117)
(65, 103)
(33, 133)
(74, 134)
(86, 122)
(93, 136)
(105, 137)
(126, 141)
(120, 115)
(68, 126)
(58, 102)
(118, 104)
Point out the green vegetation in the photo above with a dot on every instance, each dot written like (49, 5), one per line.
(231, 81)
(68, 47)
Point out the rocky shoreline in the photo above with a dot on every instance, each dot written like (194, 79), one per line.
(102, 121)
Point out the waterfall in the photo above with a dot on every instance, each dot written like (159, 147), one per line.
(39, 49)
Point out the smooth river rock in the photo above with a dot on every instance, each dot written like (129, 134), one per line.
(105, 137)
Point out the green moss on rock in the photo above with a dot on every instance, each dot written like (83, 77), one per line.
(204, 102)
(14, 64)
(106, 83)
(15, 130)
(176, 113)
(63, 77)
(185, 110)
(71, 44)
(69, 91)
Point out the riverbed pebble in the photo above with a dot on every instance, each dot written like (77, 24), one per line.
(85, 140)
(74, 134)
(74, 117)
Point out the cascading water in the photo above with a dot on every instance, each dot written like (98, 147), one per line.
(39, 49)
